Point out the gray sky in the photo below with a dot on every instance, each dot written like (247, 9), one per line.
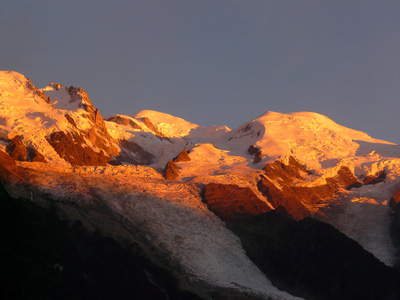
(216, 62)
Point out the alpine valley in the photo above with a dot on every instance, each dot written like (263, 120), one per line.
(150, 206)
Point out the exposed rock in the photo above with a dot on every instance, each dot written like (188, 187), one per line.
(38, 92)
(308, 258)
(183, 156)
(374, 179)
(78, 94)
(101, 140)
(344, 178)
(35, 156)
(57, 86)
(152, 127)
(171, 170)
(395, 200)
(256, 152)
(98, 133)
(258, 157)
(132, 153)
(9, 172)
(278, 185)
(70, 120)
(16, 149)
(73, 149)
(124, 121)
(228, 200)
(252, 150)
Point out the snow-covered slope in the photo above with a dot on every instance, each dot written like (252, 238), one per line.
(310, 137)
(24, 111)
(59, 123)
(175, 127)
(167, 124)
(170, 215)
(327, 154)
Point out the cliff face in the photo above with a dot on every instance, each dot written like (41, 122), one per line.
(94, 129)
(279, 181)
(229, 201)
(74, 150)
(182, 195)
(307, 258)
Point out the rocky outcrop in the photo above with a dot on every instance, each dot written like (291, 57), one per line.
(344, 179)
(229, 201)
(182, 157)
(73, 149)
(278, 184)
(132, 153)
(98, 133)
(252, 150)
(256, 152)
(395, 200)
(124, 121)
(70, 120)
(36, 91)
(374, 179)
(57, 86)
(16, 149)
(9, 172)
(306, 258)
(171, 170)
(35, 156)
(258, 157)
(152, 127)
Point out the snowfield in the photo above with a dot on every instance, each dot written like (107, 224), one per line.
(169, 213)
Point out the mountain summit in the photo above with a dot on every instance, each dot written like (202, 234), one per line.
(254, 212)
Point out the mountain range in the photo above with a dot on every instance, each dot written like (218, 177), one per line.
(151, 206)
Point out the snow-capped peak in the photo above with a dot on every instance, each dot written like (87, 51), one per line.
(64, 98)
(311, 137)
(167, 124)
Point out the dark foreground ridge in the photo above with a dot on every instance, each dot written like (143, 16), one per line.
(42, 257)
(309, 258)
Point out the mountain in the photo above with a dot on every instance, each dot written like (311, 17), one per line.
(286, 206)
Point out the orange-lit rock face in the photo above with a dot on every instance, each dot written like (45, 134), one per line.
(9, 171)
(98, 133)
(395, 200)
(171, 170)
(228, 201)
(124, 121)
(278, 185)
(183, 156)
(132, 153)
(74, 150)
(256, 152)
(374, 179)
(16, 149)
(151, 126)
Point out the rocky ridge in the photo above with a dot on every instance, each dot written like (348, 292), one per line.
(294, 166)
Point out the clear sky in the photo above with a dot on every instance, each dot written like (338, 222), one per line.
(216, 62)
